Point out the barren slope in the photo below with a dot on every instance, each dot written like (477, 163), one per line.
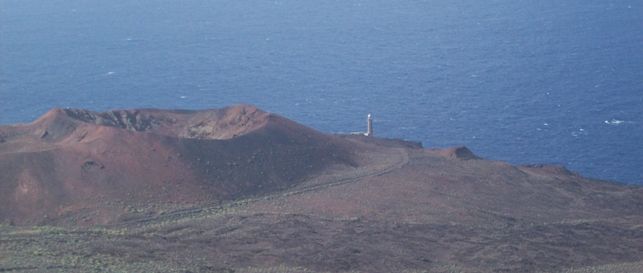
(77, 160)
(365, 205)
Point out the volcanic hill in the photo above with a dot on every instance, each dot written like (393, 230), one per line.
(72, 159)
(241, 190)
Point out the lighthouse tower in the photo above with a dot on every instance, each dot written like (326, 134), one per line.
(369, 126)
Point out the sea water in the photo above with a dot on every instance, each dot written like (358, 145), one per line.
(516, 80)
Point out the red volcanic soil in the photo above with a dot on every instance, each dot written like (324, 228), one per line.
(241, 190)
(71, 160)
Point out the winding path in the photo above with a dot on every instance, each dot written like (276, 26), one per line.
(395, 158)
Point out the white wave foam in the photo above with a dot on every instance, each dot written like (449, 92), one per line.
(614, 122)
(580, 132)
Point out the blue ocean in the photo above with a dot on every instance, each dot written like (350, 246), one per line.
(522, 81)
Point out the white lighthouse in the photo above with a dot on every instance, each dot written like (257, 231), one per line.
(369, 126)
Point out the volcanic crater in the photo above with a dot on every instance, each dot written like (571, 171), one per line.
(239, 189)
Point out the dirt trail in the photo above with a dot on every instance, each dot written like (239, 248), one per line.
(385, 162)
